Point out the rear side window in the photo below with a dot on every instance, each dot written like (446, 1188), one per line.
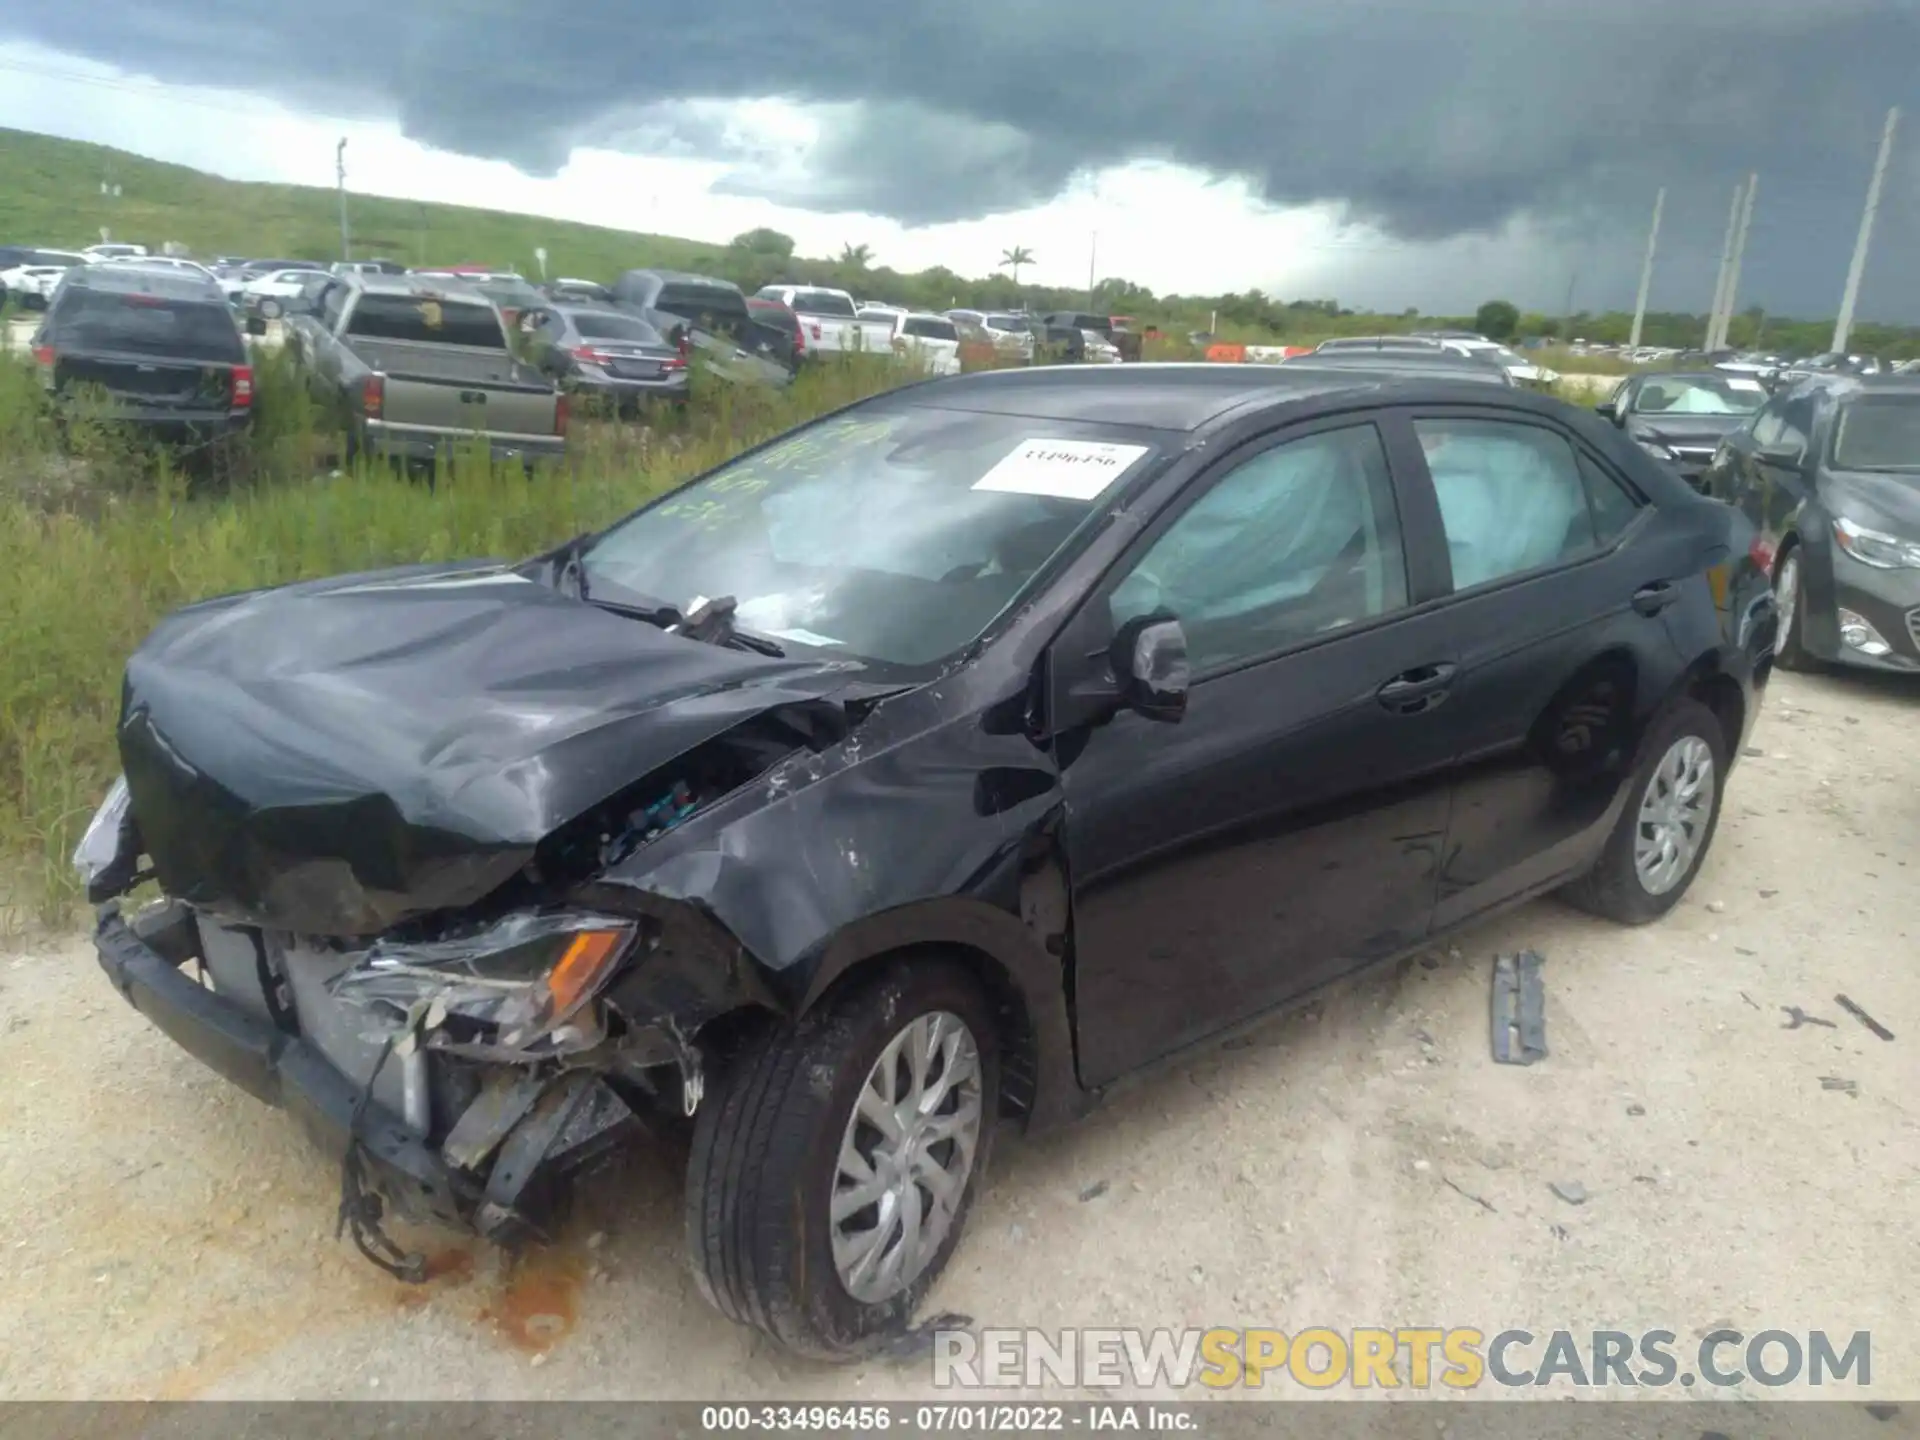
(778, 316)
(616, 327)
(931, 329)
(822, 302)
(1612, 507)
(427, 319)
(147, 325)
(1512, 497)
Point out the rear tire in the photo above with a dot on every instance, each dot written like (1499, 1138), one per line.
(1631, 884)
(770, 1157)
(1790, 600)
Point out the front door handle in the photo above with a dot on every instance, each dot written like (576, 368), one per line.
(1416, 690)
(1652, 599)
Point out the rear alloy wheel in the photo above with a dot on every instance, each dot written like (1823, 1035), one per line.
(1662, 836)
(1790, 603)
(835, 1159)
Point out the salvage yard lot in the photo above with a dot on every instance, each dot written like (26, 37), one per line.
(166, 1236)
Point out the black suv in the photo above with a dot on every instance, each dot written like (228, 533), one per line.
(159, 348)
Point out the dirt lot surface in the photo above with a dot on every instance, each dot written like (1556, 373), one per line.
(1360, 1163)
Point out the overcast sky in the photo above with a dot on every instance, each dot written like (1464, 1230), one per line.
(1388, 152)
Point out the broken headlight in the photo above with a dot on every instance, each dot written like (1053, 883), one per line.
(106, 856)
(520, 987)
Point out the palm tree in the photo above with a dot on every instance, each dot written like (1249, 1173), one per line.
(1013, 259)
(856, 256)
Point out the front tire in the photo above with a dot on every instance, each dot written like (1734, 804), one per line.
(1663, 835)
(1790, 602)
(835, 1160)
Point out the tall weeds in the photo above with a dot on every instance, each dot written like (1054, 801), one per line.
(100, 537)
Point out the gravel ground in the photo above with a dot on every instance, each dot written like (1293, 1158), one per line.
(1359, 1163)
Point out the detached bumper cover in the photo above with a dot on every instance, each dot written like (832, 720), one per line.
(281, 1069)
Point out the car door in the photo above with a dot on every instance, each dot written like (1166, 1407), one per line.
(1288, 827)
(1560, 574)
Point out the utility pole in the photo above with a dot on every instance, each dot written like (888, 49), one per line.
(1646, 272)
(1739, 258)
(1712, 341)
(1566, 315)
(1093, 255)
(340, 179)
(1843, 327)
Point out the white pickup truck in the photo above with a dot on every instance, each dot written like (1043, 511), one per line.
(831, 324)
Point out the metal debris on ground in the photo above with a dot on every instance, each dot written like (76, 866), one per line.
(1519, 1009)
(1865, 1019)
(1796, 1017)
(1483, 1203)
(916, 1342)
(1571, 1191)
(1845, 1087)
(1636, 1110)
(1750, 1000)
(1094, 1191)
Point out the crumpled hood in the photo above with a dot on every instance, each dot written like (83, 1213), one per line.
(333, 757)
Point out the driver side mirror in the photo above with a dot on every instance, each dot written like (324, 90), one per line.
(1149, 656)
(1608, 410)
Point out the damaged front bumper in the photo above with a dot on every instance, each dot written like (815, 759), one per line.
(497, 1170)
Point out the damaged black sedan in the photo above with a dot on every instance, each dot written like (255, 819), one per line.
(949, 759)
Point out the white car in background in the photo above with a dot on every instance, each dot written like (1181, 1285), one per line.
(267, 295)
(113, 250)
(1012, 334)
(1097, 349)
(1523, 370)
(929, 341)
(32, 282)
(163, 262)
(832, 326)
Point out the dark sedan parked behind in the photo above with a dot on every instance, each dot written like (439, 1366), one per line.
(1682, 418)
(606, 355)
(1829, 474)
(951, 758)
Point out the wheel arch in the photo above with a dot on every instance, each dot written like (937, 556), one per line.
(1013, 960)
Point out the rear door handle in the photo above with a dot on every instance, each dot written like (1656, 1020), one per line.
(1652, 599)
(1418, 689)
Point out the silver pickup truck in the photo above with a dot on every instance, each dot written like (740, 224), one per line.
(418, 365)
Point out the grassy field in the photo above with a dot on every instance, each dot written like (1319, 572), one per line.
(98, 541)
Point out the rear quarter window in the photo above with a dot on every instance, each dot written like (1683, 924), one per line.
(427, 319)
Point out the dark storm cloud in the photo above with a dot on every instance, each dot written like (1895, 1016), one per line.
(1426, 118)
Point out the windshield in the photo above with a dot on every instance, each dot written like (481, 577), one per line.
(1878, 432)
(894, 537)
(1700, 395)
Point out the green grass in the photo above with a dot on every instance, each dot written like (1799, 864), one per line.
(99, 539)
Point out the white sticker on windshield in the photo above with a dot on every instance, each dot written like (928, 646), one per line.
(1746, 385)
(1061, 469)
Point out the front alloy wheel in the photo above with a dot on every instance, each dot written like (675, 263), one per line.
(1790, 604)
(836, 1156)
(906, 1157)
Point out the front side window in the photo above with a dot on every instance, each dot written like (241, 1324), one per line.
(1511, 497)
(1296, 541)
(895, 536)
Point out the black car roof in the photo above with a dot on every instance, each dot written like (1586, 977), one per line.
(1184, 396)
(165, 282)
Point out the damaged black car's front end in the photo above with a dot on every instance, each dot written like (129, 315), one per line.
(375, 914)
